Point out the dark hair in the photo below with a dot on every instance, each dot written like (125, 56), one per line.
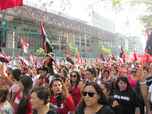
(92, 71)
(108, 86)
(16, 73)
(42, 69)
(78, 77)
(54, 80)
(106, 70)
(64, 71)
(102, 100)
(125, 80)
(43, 93)
(27, 83)
(3, 94)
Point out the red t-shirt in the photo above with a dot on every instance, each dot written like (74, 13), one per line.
(67, 105)
(17, 100)
(76, 95)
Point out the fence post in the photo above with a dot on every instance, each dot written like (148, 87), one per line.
(13, 44)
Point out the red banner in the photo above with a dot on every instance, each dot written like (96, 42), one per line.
(4, 4)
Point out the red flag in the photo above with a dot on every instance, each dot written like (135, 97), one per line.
(4, 4)
(23, 61)
(123, 55)
(24, 45)
(135, 56)
(4, 58)
(46, 44)
(78, 58)
(121, 52)
(32, 59)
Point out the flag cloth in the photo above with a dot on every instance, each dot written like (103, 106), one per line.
(24, 45)
(4, 4)
(123, 55)
(78, 58)
(4, 58)
(135, 56)
(23, 61)
(46, 44)
(32, 59)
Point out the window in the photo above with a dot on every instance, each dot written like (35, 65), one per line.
(3, 34)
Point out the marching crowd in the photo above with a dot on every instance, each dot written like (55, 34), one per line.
(99, 87)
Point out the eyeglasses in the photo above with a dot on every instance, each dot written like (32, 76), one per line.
(90, 94)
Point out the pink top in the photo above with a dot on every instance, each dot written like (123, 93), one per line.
(132, 81)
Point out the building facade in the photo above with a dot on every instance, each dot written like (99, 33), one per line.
(63, 32)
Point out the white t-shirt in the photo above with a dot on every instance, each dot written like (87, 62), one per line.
(150, 92)
(6, 108)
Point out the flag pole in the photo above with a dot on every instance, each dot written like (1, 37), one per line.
(13, 44)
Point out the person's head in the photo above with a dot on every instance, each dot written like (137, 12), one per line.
(3, 94)
(122, 84)
(75, 77)
(106, 88)
(39, 97)
(146, 70)
(56, 86)
(122, 70)
(134, 71)
(16, 73)
(106, 73)
(92, 95)
(90, 74)
(3, 81)
(63, 72)
(27, 83)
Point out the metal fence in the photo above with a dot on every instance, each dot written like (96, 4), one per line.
(13, 45)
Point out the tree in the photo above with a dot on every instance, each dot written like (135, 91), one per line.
(147, 18)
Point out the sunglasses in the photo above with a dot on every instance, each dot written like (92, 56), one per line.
(90, 94)
(73, 76)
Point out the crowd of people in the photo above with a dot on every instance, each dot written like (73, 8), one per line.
(97, 87)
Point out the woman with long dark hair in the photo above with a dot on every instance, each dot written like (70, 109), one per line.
(22, 104)
(60, 97)
(75, 89)
(125, 99)
(93, 101)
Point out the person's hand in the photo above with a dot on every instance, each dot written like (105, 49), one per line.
(65, 90)
(115, 103)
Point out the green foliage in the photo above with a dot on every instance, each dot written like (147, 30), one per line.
(72, 47)
(106, 51)
(146, 19)
(116, 2)
(40, 52)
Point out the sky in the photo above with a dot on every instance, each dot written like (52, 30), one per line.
(125, 18)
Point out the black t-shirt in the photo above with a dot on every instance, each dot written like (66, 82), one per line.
(149, 81)
(103, 110)
(127, 102)
(51, 112)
